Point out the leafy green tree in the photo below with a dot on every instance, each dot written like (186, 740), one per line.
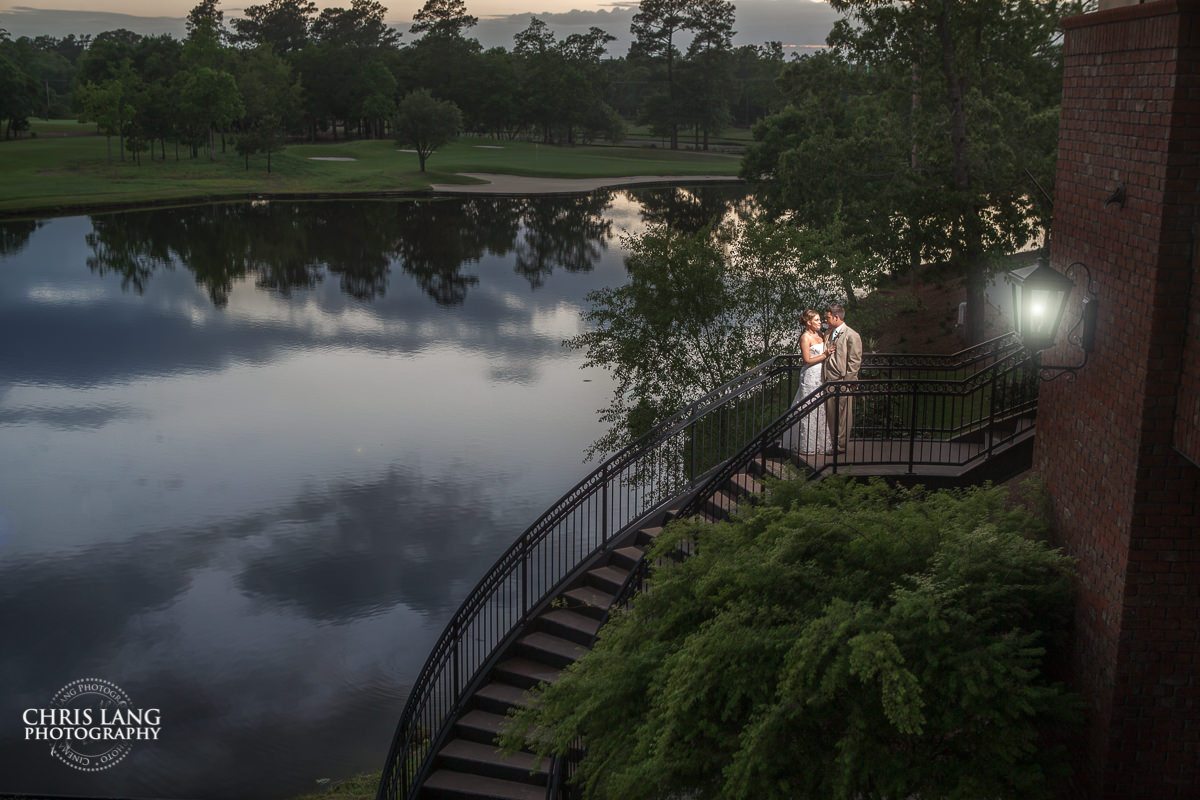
(18, 89)
(210, 101)
(699, 309)
(206, 18)
(106, 55)
(111, 104)
(360, 27)
(831, 162)
(378, 107)
(654, 28)
(425, 123)
(839, 640)
(283, 24)
(755, 68)
(952, 103)
(443, 18)
(709, 67)
(544, 83)
(272, 102)
(498, 111)
(156, 114)
(205, 42)
(332, 80)
(47, 63)
(587, 109)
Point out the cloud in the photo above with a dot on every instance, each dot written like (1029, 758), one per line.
(28, 21)
(758, 21)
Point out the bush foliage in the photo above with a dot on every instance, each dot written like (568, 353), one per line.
(838, 640)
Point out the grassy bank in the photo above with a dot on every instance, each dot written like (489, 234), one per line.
(360, 787)
(60, 171)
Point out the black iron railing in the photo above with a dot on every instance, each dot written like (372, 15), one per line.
(902, 424)
(669, 461)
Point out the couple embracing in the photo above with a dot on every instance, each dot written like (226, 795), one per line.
(836, 356)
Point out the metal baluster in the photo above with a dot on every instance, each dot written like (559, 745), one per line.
(912, 428)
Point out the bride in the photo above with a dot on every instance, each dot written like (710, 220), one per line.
(810, 435)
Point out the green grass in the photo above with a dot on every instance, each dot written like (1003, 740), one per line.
(56, 173)
(61, 127)
(738, 137)
(360, 787)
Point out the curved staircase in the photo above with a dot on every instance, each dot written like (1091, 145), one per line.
(469, 765)
(543, 603)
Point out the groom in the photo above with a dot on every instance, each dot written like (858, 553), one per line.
(841, 366)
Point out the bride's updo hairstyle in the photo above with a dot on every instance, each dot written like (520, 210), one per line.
(808, 314)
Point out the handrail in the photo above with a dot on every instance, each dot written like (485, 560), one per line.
(1002, 391)
(663, 463)
(998, 346)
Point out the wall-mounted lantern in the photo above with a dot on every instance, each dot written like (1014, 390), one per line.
(1039, 294)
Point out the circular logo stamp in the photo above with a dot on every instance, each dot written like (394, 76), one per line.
(91, 724)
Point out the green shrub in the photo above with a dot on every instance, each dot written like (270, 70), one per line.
(839, 640)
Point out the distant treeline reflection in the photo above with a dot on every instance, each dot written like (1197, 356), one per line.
(289, 246)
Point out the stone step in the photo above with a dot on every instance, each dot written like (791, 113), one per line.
(589, 600)
(775, 467)
(721, 504)
(569, 625)
(628, 556)
(477, 758)
(647, 535)
(609, 579)
(479, 726)
(525, 673)
(448, 783)
(747, 484)
(547, 648)
(498, 697)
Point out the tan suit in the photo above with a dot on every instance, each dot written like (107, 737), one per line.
(843, 366)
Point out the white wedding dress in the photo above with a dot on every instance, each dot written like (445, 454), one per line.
(810, 435)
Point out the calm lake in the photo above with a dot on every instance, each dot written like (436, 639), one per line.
(252, 456)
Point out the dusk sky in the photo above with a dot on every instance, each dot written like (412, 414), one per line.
(798, 24)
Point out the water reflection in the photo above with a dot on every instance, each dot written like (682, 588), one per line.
(15, 235)
(254, 456)
(286, 247)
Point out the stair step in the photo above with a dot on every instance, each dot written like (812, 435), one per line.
(525, 673)
(477, 758)
(746, 483)
(628, 556)
(775, 467)
(609, 579)
(550, 649)
(569, 625)
(722, 503)
(479, 726)
(648, 535)
(497, 697)
(451, 783)
(590, 600)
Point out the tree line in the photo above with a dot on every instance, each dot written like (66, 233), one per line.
(921, 143)
(286, 70)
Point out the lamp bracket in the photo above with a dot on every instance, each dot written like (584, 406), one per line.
(1082, 333)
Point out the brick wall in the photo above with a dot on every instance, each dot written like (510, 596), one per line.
(1187, 409)
(1125, 500)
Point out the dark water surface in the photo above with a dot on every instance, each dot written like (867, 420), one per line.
(253, 456)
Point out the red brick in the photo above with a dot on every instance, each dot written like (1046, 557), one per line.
(1131, 114)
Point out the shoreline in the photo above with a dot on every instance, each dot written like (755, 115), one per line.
(520, 185)
(490, 184)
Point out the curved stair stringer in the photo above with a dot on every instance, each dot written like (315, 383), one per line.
(563, 627)
(685, 450)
